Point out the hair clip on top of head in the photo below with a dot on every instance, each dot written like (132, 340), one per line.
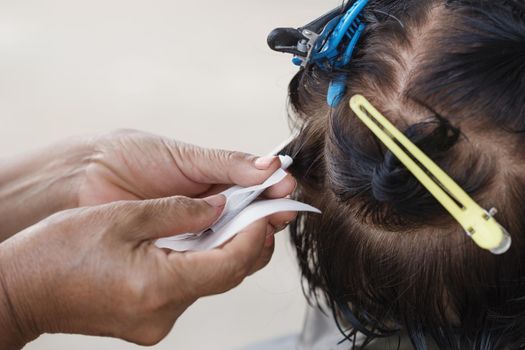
(478, 223)
(328, 42)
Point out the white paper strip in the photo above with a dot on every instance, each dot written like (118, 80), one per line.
(255, 211)
(237, 214)
(238, 198)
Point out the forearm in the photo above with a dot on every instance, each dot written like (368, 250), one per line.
(14, 329)
(39, 184)
(11, 335)
(10, 338)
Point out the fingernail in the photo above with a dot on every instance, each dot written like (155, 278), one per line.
(263, 163)
(217, 200)
(270, 230)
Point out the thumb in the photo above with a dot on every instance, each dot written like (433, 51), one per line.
(170, 216)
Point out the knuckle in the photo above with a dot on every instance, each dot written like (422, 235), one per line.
(267, 256)
(238, 278)
(144, 308)
(238, 157)
(153, 302)
(137, 213)
(180, 202)
(152, 336)
(148, 334)
(217, 157)
(239, 271)
(186, 207)
(228, 158)
(141, 299)
(151, 209)
(231, 275)
(188, 154)
(134, 292)
(114, 218)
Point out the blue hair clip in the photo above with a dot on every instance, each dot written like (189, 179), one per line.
(328, 42)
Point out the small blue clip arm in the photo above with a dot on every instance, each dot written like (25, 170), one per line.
(328, 42)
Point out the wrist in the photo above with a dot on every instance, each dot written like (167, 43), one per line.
(37, 185)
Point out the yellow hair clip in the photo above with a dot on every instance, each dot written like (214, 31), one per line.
(478, 223)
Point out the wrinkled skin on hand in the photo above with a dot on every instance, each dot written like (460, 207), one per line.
(135, 165)
(93, 269)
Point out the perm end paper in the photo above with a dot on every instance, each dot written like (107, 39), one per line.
(240, 211)
(253, 212)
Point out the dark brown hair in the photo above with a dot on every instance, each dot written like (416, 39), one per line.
(386, 255)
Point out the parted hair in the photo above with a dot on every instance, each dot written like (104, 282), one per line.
(450, 74)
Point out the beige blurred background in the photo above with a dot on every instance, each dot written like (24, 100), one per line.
(198, 71)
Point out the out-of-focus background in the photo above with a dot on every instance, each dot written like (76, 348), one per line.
(198, 71)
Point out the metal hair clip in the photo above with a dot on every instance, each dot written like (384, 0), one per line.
(478, 223)
(328, 42)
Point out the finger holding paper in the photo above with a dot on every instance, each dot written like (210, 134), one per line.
(240, 211)
(129, 164)
(107, 278)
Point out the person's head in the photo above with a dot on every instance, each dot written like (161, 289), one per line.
(451, 76)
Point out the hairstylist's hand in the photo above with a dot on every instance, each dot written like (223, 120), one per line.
(131, 164)
(96, 271)
(123, 165)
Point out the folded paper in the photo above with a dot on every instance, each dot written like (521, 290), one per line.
(239, 212)
(255, 211)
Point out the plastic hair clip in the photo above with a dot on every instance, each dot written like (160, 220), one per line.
(328, 42)
(478, 223)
